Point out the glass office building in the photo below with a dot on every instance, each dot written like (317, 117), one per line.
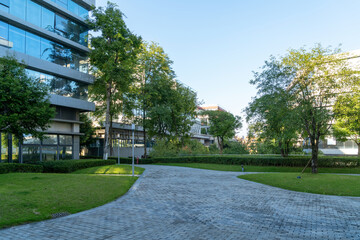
(50, 38)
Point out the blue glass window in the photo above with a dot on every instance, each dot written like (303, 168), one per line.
(33, 14)
(73, 7)
(17, 36)
(4, 5)
(46, 50)
(83, 12)
(4, 30)
(18, 8)
(32, 45)
(62, 3)
(48, 19)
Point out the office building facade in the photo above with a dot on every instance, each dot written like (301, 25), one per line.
(50, 38)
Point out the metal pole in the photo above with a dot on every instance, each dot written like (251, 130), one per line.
(118, 151)
(133, 150)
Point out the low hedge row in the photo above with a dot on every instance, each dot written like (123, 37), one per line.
(16, 167)
(67, 166)
(255, 160)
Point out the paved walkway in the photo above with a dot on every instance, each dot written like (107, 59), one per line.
(184, 203)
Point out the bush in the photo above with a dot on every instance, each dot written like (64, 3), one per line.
(173, 149)
(235, 148)
(67, 166)
(16, 167)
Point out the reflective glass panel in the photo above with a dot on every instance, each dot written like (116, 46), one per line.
(4, 148)
(73, 7)
(33, 14)
(65, 152)
(83, 12)
(46, 50)
(4, 30)
(15, 149)
(65, 140)
(17, 8)
(30, 154)
(33, 45)
(17, 36)
(48, 19)
(49, 153)
(50, 139)
(62, 3)
(28, 139)
(4, 8)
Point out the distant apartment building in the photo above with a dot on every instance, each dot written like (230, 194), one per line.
(49, 37)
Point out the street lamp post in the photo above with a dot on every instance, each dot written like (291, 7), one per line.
(133, 149)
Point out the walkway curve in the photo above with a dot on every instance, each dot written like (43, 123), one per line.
(185, 203)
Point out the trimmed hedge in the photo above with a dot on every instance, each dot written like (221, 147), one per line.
(67, 166)
(255, 160)
(16, 167)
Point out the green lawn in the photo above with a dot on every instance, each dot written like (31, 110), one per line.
(111, 169)
(237, 168)
(329, 184)
(27, 197)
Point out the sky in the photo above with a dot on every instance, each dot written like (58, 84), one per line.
(217, 45)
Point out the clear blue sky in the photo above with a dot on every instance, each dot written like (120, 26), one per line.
(215, 45)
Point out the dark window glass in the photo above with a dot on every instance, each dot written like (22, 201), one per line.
(48, 19)
(46, 50)
(49, 153)
(17, 8)
(50, 139)
(65, 152)
(33, 45)
(61, 25)
(31, 154)
(33, 14)
(17, 36)
(62, 3)
(15, 149)
(65, 140)
(4, 148)
(4, 30)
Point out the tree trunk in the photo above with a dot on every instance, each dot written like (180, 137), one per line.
(144, 130)
(314, 155)
(282, 150)
(358, 144)
(221, 145)
(107, 124)
(111, 136)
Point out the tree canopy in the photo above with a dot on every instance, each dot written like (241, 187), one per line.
(114, 59)
(24, 101)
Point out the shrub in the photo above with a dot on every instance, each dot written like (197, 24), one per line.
(173, 149)
(235, 148)
(16, 167)
(67, 166)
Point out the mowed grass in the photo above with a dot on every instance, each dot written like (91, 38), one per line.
(329, 184)
(237, 168)
(111, 169)
(28, 197)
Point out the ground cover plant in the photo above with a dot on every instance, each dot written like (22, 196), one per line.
(238, 168)
(111, 169)
(329, 184)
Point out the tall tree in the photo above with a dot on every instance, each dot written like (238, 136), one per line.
(272, 108)
(223, 126)
(319, 75)
(114, 60)
(167, 106)
(347, 116)
(24, 101)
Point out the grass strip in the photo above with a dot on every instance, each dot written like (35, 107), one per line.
(329, 184)
(111, 169)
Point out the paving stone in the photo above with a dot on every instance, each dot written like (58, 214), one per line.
(184, 203)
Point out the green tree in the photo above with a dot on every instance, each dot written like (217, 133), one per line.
(168, 107)
(114, 60)
(319, 74)
(272, 108)
(88, 131)
(222, 126)
(24, 101)
(347, 116)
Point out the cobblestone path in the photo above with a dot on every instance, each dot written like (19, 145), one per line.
(184, 203)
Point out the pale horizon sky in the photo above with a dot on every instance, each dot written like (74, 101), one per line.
(216, 45)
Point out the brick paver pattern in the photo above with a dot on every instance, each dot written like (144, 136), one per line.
(184, 203)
